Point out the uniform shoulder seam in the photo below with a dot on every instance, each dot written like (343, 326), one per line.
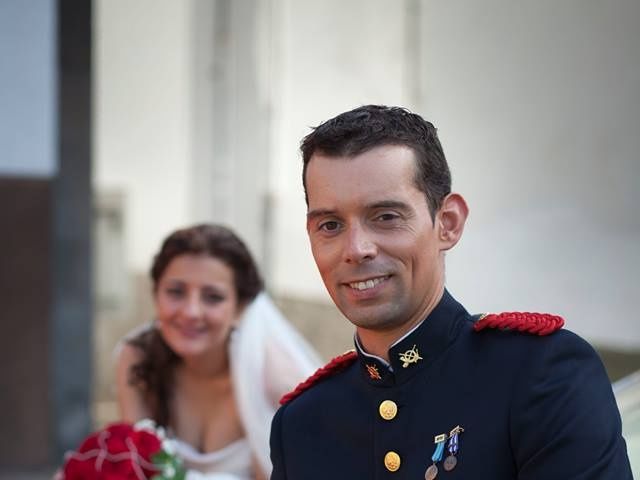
(336, 365)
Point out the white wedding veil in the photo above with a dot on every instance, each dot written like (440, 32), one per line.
(268, 358)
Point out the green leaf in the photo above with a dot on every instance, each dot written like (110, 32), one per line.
(170, 467)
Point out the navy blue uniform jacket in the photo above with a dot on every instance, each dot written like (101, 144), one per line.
(532, 408)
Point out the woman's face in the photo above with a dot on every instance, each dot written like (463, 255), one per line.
(196, 304)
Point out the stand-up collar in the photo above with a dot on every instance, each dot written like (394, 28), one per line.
(418, 349)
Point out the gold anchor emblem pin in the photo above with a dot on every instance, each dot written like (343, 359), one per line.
(409, 357)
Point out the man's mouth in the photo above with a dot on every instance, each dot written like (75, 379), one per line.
(369, 283)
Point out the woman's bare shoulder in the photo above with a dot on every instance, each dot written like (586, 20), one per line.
(127, 355)
(130, 398)
(129, 349)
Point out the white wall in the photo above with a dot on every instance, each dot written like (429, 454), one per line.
(537, 107)
(181, 123)
(142, 116)
(231, 108)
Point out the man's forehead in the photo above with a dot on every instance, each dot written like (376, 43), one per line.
(386, 176)
(395, 161)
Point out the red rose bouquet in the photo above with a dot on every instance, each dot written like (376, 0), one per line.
(124, 452)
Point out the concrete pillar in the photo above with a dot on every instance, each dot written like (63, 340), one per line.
(45, 211)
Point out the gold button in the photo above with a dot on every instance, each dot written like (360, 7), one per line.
(388, 409)
(392, 461)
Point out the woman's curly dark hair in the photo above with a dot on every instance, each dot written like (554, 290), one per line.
(154, 374)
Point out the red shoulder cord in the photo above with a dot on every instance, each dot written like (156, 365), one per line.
(335, 365)
(536, 323)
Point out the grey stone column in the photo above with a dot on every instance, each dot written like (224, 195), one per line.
(71, 322)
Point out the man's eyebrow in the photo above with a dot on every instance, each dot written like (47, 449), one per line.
(397, 204)
(320, 212)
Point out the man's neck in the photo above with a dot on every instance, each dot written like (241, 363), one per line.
(378, 342)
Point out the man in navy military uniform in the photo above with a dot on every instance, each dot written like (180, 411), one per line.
(428, 393)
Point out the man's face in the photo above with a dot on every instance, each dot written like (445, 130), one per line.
(372, 237)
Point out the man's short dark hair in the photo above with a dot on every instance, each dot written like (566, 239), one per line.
(364, 128)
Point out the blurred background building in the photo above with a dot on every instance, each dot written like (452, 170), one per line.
(121, 120)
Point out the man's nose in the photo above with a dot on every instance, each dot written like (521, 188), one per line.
(359, 246)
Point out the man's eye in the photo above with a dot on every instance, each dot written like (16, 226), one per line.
(386, 217)
(331, 226)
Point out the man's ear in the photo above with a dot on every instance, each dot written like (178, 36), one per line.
(451, 219)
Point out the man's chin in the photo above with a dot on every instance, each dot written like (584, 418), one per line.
(375, 318)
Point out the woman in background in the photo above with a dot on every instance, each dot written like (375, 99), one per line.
(213, 366)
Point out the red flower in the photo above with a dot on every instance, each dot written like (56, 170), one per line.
(146, 442)
(116, 453)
